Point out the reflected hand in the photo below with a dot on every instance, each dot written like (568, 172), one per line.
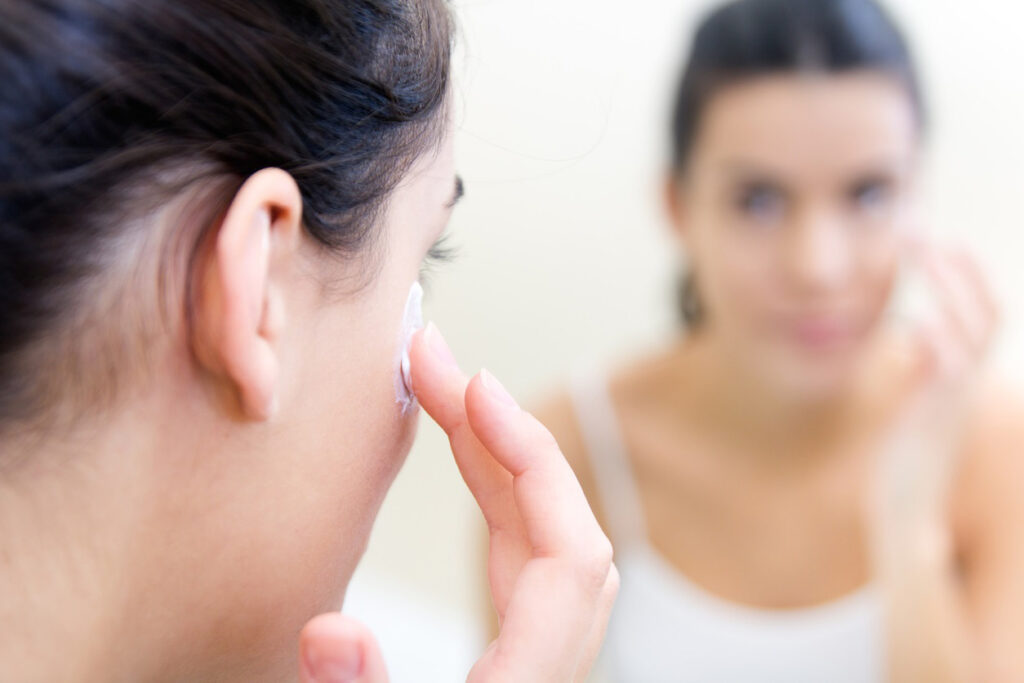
(919, 457)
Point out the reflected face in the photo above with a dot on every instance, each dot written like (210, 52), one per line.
(793, 211)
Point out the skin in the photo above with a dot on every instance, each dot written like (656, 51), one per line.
(190, 532)
(788, 451)
(551, 575)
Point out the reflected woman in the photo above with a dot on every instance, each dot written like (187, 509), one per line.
(797, 488)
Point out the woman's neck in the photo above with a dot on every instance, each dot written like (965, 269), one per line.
(740, 401)
(69, 530)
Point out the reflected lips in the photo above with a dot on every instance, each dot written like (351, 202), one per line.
(822, 333)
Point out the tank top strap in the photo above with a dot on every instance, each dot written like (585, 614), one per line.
(609, 459)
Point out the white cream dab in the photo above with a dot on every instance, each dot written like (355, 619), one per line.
(412, 320)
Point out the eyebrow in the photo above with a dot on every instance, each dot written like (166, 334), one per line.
(749, 171)
(457, 194)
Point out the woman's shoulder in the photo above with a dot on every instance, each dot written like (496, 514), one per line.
(627, 386)
(993, 436)
(640, 381)
(653, 379)
(993, 458)
(998, 413)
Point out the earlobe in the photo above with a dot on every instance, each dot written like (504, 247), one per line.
(241, 305)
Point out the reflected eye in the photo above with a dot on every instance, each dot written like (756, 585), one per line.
(871, 194)
(761, 202)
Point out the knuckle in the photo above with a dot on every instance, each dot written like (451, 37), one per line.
(594, 563)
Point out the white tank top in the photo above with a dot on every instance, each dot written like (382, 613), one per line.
(666, 628)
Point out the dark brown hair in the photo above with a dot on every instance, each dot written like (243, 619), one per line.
(109, 108)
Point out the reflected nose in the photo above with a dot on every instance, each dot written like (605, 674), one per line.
(818, 255)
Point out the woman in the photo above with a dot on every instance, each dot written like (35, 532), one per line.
(211, 214)
(799, 489)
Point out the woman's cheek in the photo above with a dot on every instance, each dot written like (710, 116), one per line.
(745, 290)
(879, 270)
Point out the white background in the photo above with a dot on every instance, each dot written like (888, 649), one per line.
(564, 254)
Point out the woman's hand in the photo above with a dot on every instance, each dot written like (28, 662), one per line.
(919, 458)
(928, 632)
(550, 567)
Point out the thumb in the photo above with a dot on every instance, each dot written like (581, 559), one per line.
(337, 649)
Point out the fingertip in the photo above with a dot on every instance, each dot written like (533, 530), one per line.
(416, 341)
(437, 382)
(487, 400)
(496, 390)
(485, 387)
(333, 648)
(430, 355)
(434, 341)
(476, 398)
(417, 355)
(424, 368)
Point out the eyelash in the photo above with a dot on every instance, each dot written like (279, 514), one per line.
(749, 198)
(880, 186)
(443, 252)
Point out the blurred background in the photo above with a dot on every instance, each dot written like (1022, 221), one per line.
(564, 256)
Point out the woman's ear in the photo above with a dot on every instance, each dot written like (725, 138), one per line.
(240, 307)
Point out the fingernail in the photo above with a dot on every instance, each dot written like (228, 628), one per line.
(495, 389)
(343, 664)
(438, 346)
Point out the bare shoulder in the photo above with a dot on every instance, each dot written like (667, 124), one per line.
(636, 392)
(652, 381)
(989, 512)
(996, 426)
(987, 495)
(557, 412)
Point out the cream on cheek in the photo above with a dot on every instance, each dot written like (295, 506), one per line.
(412, 320)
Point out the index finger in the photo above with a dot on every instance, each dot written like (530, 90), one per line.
(557, 518)
(440, 387)
(550, 616)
